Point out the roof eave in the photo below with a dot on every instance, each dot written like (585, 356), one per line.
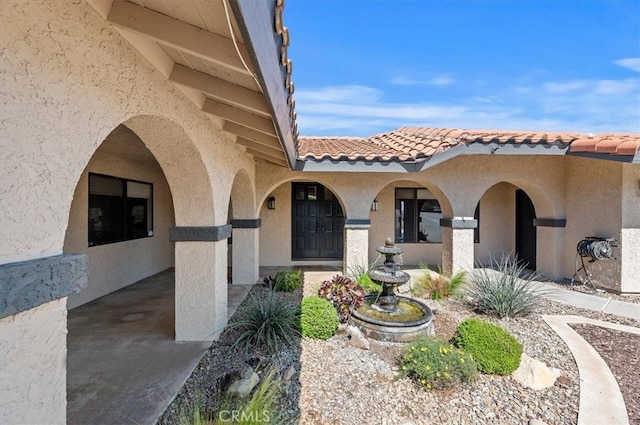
(265, 49)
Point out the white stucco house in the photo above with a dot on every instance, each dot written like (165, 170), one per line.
(138, 136)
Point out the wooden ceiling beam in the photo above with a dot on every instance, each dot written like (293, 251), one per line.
(263, 155)
(239, 116)
(177, 34)
(254, 146)
(220, 89)
(252, 135)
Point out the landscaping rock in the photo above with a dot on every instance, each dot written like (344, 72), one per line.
(537, 422)
(357, 339)
(243, 386)
(534, 374)
(289, 373)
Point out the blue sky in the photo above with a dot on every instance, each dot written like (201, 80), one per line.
(362, 67)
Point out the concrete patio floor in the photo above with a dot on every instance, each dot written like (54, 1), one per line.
(123, 364)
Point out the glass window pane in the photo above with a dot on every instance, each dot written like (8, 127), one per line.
(423, 194)
(103, 185)
(405, 193)
(138, 190)
(430, 215)
(311, 193)
(299, 193)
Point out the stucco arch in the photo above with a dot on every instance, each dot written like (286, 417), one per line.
(540, 198)
(442, 197)
(183, 166)
(315, 179)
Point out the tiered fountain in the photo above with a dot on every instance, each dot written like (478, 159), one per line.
(387, 316)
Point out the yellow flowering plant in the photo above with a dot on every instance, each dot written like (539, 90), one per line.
(436, 364)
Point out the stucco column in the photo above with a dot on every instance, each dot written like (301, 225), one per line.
(630, 264)
(33, 337)
(245, 259)
(201, 281)
(457, 244)
(550, 246)
(356, 244)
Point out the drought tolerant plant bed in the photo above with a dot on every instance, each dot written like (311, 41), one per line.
(335, 383)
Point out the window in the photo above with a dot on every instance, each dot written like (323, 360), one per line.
(119, 209)
(417, 217)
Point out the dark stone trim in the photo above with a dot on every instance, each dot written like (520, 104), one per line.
(458, 223)
(31, 283)
(251, 223)
(357, 222)
(550, 222)
(200, 233)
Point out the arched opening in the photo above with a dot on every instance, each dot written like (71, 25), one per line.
(304, 224)
(507, 224)
(409, 212)
(120, 216)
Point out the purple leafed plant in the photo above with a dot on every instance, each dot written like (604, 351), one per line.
(344, 294)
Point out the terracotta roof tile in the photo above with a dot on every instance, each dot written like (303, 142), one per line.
(415, 143)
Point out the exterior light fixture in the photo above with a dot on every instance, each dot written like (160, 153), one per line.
(374, 205)
(271, 203)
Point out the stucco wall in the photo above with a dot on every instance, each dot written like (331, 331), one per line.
(68, 80)
(594, 208)
(116, 265)
(29, 340)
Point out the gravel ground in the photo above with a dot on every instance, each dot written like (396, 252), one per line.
(335, 383)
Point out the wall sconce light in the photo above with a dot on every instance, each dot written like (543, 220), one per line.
(271, 203)
(374, 205)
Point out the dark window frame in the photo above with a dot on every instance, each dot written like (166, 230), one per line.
(114, 218)
(407, 216)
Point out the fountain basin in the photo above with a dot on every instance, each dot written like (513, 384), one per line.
(411, 319)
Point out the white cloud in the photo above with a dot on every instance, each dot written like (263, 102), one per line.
(442, 81)
(578, 105)
(630, 63)
(564, 87)
(403, 80)
(615, 87)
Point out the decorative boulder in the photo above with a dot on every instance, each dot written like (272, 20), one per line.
(534, 374)
(243, 386)
(357, 339)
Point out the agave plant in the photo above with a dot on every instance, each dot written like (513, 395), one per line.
(503, 291)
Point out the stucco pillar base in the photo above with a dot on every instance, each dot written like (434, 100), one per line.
(457, 250)
(244, 260)
(356, 247)
(33, 372)
(630, 265)
(550, 246)
(201, 290)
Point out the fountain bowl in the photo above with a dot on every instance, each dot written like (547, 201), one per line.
(410, 320)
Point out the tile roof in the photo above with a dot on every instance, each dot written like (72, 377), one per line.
(415, 143)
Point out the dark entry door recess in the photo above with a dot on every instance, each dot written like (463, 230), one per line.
(525, 230)
(317, 223)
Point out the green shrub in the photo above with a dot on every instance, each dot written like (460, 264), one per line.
(502, 291)
(369, 286)
(494, 349)
(318, 318)
(266, 321)
(344, 294)
(436, 364)
(287, 281)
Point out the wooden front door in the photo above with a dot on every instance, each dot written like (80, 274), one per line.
(317, 223)
(525, 230)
